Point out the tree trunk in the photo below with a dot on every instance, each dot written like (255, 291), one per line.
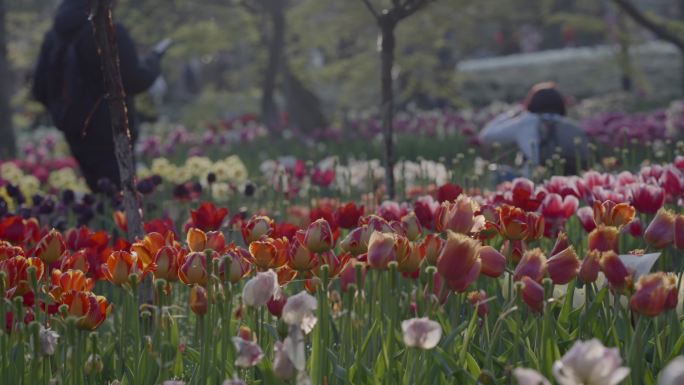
(388, 42)
(8, 144)
(303, 106)
(624, 57)
(276, 47)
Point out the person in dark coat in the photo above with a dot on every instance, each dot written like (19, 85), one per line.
(68, 81)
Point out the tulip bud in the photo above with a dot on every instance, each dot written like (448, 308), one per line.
(413, 228)
(655, 293)
(421, 333)
(679, 232)
(318, 237)
(660, 232)
(408, 256)
(356, 242)
(562, 243)
(216, 241)
(51, 247)
(615, 271)
(431, 247)
(119, 265)
(478, 298)
(532, 293)
(276, 303)
(457, 216)
(197, 240)
(532, 264)
(93, 365)
(591, 266)
(493, 262)
(166, 261)
(301, 258)
(564, 266)
(604, 238)
(381, 250)
(235, 266)
(458, 263)
(199, 302)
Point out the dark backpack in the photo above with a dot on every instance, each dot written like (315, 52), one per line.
(69, 96)
(562, 134)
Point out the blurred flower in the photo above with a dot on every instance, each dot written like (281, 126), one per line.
(563, 267)
(199, 303)
(48, 341)
(660, 232)
(458, 263)
(413, 228)
(590, 363)
(249, 354)
(421, 333)
(526, 376)
(586, 218)
(478, 299)
(458, 216)
(654, 294)
(679, 232)
(300, 258)
(234, 265)
(408, 255)
(347, 216)
(277, 302)
(356, 242)
(673, 374)
(448, 192)
(259, 290)
(299, 311)
(283, 369)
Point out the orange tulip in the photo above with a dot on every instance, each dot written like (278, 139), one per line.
(147, 248)
(71, 280)
(513, 223)
(458, 263)
(611, 214)
(16, 268)
(51, 247)
(120, 265)
(660, 232)
(89, 309)
(655, 293)
(197, 239)
(193, 269)
(269, 253)
(408, 255)
(76, 261)
(199, 302)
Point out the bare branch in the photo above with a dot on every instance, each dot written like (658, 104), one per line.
(645, 21)
(371, 9)
(410, 7)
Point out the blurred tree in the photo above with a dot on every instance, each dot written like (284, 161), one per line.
(8, 147)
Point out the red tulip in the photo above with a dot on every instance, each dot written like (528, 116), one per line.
(679, 232)
(514, 250)
(561, 244)
(616, 273)
(348, 274)
(458, 263)
(216, 241)
(672, 181)
(586, 218)
(347, 216)
(660, 232)
(655, 293)
(647, 199)
(524, 196)
(276, 304)
(591, 266)
(513, 222)
(532, 264)
(563, 267)
(493, 262)
(208, 217)
(532, 294)
(448, 192)
(16, 268)
(604, 238)
(555, 207)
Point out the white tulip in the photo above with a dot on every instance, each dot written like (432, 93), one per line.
(590, 363)
(421, 333)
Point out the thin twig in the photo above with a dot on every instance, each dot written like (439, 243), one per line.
(371, 9)
(641, 18)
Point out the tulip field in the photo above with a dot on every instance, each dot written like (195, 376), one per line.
(296, 268)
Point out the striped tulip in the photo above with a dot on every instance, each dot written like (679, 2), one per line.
(120, 265)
